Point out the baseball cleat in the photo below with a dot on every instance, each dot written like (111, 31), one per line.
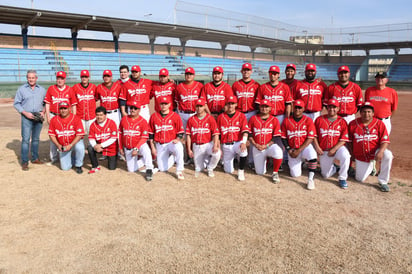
(149, 175)
(384, 187)
(180, 176)
(275, 178)
(311, 184)
(343, 184)
(79, 170)
(210, 173)
(197, 173)
(241, 175)
(94, 170)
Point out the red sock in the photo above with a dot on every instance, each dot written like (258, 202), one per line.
(276, 164)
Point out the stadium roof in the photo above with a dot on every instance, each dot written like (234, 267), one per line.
(76, 22)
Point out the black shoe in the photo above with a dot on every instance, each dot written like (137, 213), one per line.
(251, 166)
(79, 170)
(189, 162)
(149, 175)
(281, 169)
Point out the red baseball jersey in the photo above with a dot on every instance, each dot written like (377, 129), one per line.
(103, 133)
(55, 96)
(246, 94)
(367, 139)
(278, 95)
(186, 96)
(86, 101)
(349, 97)
(109, 98)
(65, 130)
(312, 94)
(330, 133)
(297, 132)
(232, 128)
(165, 129)
(216, 95)
(132, 131)
(201, 130)
(385, 101)
(292, 87)
(167, 90)
(137, 92)
(264, 130)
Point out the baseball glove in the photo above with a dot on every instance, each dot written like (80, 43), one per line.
(37, 117)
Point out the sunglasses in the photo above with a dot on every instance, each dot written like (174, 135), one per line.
(133, 108)
(297, 107)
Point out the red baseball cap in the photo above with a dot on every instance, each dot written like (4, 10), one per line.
(368, 105)
(61, 74)
(333, 102)
(231, 99)
(290, 66)
(200, 102)
(310, 67)
(343, 68)
(163, 72)
(84, 73)
(190, 70)
(274, 69)
(136, 69)
(265, 103)
(299, 103)
(107, 73)
(218, 69)
(164, 100)
(134, 104)
(63, 105)
(247, 66)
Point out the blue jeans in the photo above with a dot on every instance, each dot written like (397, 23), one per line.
(30, 129)
(72, 157)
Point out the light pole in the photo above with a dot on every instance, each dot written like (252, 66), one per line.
(239, 27)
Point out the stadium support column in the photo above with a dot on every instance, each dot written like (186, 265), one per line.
(24, 31)
(74, 37)
(253, 52)
(223, 45)
(273, 53)
(340, 56)
(313, 56)
(116, 42)
(396, 51)
(183, 44)
(152, 39)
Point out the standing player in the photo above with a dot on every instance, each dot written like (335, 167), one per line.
(55, 95)
(29, 101)
(369, 141)
(290, 80)
(216, 93)
(348, 94)
(332, 135)
(385, 100)
(202, 132)
(66, 132)
(136, 89)
(108, 93)
(133, 136)
(312, 92)
(102, 139)
(234, 132)
(298, 132)
(265, 137)
(165, 134)
(163, 88)
(246, 90)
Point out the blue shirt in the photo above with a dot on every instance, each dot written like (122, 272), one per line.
(28, 99)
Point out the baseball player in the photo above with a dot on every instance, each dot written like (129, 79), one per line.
(265, 138)
(162, 88)
(165, 136)
(133, 136)
(290, 80)
(108, 93)
(385, 99)
(186, 96)
(348, 94)
(312, 92)
(124, 74)
(202, 132)
(102, 139)
(298, 132)
(332, 135)
(234, 132)
(369, 141)
(85, 93)
(216, 93)
(54, 96)
(136, 89)
(246, 91)
(66, 132)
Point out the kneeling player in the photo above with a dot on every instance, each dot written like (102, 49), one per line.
(332, 135)
(133, 136)
(200, 130)
(265, 129)
(102, 139)
(298, 132)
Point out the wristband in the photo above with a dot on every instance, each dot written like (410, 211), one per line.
(244, 140)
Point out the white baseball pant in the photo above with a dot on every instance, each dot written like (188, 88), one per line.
(295, 164)
(250, 114)
(349, 118)
(54, 155)
(363, 169)
(185, 117)
(203, 152)
(280, 118)
(260, 157)
(144, 112)
(313, 115)
(388, 124)
(87, 124)
(115, 115)
(326, 163)
(132, 161)
(229, 153)
(168, 154)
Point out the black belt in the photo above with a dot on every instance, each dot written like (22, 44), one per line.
(216, 112)
(199, 144)
(311, 111)
(111, 111)
(229, 143)
(384, 118)
(248, 111)
(54, 113)
(187, 111)
(345, 115)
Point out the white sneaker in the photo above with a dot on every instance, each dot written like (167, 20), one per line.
(275, 178)
(241, 175)
(197, 173)
(311, 184)
(210, 173)
(180, 176)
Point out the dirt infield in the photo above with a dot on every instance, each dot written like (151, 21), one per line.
(114, 221)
